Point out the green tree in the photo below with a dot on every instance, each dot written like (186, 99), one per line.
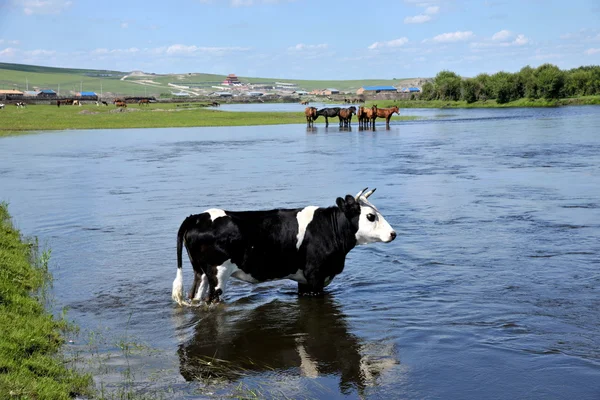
(427, 91)
(526, 78)
(447, 85)
(470, 90)
(550, 80)
(483, 80)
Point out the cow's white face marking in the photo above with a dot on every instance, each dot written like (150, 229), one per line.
(304, 218)
(215, 213)
(372, 227)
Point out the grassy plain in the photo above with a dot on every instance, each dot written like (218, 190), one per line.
(30, 339)
(158, 115)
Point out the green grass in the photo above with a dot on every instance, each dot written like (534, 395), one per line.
(30, 339)
(35, 118)
(585, 100)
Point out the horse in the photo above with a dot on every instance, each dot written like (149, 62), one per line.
(304, 103)
(367, 116)
(311, 116)
(76, 103)
(121, 104)
(329, 113)
(215, 104)
(104, 103)
(387, 114)
(346, 116)
(144, 101)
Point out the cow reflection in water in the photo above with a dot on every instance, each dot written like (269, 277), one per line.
(310, 335)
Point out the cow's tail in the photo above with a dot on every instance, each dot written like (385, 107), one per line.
(178, 294)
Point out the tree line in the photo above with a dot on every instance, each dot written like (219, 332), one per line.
(544, 82)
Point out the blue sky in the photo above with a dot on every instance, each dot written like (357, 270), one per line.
(302, 39)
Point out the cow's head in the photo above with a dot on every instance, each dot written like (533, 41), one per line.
(371, 226)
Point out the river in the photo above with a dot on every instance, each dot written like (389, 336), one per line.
(491, 290)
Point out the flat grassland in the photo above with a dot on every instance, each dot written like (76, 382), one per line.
(35, 118)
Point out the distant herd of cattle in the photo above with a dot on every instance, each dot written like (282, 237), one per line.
(366, 115)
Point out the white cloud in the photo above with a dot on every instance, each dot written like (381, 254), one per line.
(302, 46)
(521, 40)
(592, 51)
(13, 42)
(33, 7)
(8, 52)
(124, 25)
(432, 10)
(40, 52)
(502, 35)
(417, 19)
(182, 49)
(390, 43)
(452, 37)
(241, 3)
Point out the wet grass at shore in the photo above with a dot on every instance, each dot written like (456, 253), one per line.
(31, 365)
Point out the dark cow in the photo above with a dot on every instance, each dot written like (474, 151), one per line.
(311, 116)
(308, 245)
(346, 116)
(329, 113)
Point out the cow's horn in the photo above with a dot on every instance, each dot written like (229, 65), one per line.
(360, 193)
(370, 192)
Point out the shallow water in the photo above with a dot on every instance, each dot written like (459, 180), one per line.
(490, 291)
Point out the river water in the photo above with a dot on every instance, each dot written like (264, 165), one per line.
(491, 290)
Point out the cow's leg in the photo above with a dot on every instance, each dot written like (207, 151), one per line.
(326, 121)
(314, 283)
(197, 279)
(201, 291)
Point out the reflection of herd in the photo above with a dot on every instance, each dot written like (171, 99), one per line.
(366, 115)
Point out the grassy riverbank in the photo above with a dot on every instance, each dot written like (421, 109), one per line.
(45, 117)
(575, 101)
(31, 366)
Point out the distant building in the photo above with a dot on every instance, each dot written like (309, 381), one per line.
(376, 89)
(223, 94)
(4, 92)
(325, 92)
(231, 80)
(30, 93)
(46, 93)
(181, 94)
(410, 90)
(87, 95)
(255, 94)
(300, 92)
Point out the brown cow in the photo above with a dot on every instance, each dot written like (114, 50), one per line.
(345, 116)
(311, 116)
(387, 114)
(367, 116)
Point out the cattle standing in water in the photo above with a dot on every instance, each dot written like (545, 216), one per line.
(329, 113)
(366, 117)
(346, 116)
(311, 116)
(308, 245)
(387, 114)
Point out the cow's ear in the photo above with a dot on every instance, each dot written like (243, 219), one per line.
(340, 203)
(350, 200)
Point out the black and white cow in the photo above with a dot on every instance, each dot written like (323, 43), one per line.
(308, 245)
